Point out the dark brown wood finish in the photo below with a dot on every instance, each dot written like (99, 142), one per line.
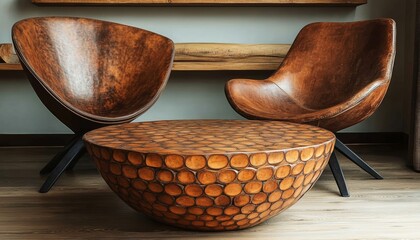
(334, 76)
(92, 73)
(210, 175)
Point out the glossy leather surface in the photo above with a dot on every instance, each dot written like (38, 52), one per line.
(334, 76)
(92, 73)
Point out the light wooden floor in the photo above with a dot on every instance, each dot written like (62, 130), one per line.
(82, 206)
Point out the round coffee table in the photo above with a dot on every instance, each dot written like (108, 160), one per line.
(210, 175)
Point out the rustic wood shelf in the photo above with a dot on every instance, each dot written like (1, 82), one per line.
(218, 57)
(204, 2)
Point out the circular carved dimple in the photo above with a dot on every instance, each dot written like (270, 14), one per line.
(206, 217)
(193, 190)
(213, 190)
(319, 151)
(217, 161)
(263, 207)
(247, 209)
(153, 160)
(259, 198)
(227, 176)
(129, 171)
(165, 176)
(308, 179)
(178, 210)
(270, 186)
(115, 169)
(246, 175)
(292, 156)
(204, 201)
(195, 162)
(276, 205)
(135, 158)
(306, 154)
(283, 172)
(119, 156)
(195, 210)
(298, 168)
(309, 167)
(222, 200)
(241, 200)
(210, 175)
(239, 161)
(264, 174)
(318, 165)
(233, 189)
(173, 189)
(286, 183)
(232, 210)
(185, 177)
(155, 187)
(253, 187)
(123, 182)
(239, 217)
(214, 211)
(146, 173)
(174, 161)
(105, 154)
(258, 159)
(288, 193)
(275, 158)
(206, 177)
(139, 185)
(166, 199)
(274, 196)
(299, 180)
(253, 216)
(185, 201)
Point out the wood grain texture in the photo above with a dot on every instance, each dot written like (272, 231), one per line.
(7, 54)
(207, 2)
(91, 73)
(328, 78)
(10, 67)
(83, 207)
(210, 175)
(221, 57)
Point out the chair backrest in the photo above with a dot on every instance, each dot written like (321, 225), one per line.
(330, 62)
(100, 70)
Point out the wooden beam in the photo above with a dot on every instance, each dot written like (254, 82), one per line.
(204, 2)
(218, 57)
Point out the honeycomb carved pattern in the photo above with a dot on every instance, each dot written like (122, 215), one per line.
(210, 175)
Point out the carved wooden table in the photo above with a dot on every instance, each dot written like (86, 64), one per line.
(210, 174)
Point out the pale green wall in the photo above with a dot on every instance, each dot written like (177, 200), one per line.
(200, 94)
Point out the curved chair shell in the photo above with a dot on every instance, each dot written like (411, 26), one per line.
(92, 73)
(334, 76)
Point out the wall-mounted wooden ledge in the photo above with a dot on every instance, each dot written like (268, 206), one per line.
(204, 2)
(218, 57)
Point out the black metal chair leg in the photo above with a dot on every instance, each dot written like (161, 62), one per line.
(62, 165)
(57, 158)
(76, 160)
(338, 175)
(356, 159)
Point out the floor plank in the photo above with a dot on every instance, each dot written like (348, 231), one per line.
(81, 206)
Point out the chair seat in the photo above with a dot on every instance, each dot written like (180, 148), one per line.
(263, 99)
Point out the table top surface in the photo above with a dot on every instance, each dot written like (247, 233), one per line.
(206, 137)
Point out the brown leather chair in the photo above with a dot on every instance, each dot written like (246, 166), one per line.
(334, 76)
(91, 74)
